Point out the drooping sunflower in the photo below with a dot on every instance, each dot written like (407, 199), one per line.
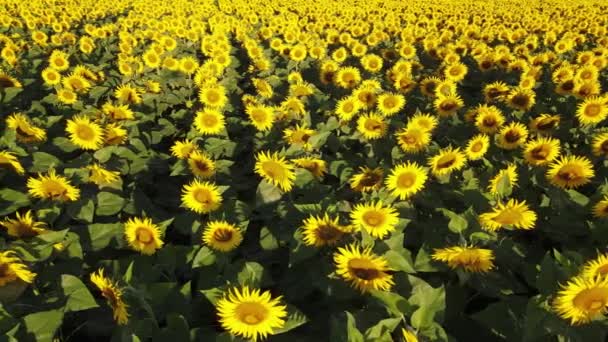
(126, 94)
(101, 176)
(209, 121)
(13, 269)
(448, 105)
(513, 214)
(592, 111)
(596, 267)
(541, 151)
(262, 117)
(372, 126)
(600, 209)
(448, 159)
(316, 166)
(114, 134)
(113, 294)
(321, 231)
(367, 179)
(250, 313)
(406, 179)
(299, 135)
(275, 170)
(8, 160)
(505, 175)
(201, 197)
(377, 218)
(213, 95)
(477, 147)
(118, 112)
(582, 299)
(512, 136)
(8, 81)
(24, 226)
(142, 235)
(222, 236)
(201, 165)
(570, 172)
(544, 123)
(52, 187)
(363, 269)
(25, 131)
(84, 133)
(390, 104)
(413, 139)
(471, 259)
(183, 149)
(424, 121)
(489, 119)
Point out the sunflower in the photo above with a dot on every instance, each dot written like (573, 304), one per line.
(448, 105)
(7, 81)
(24, 226)
(76, 83)
(428, 86)
(455, 72)
(570, 172)
(521, 99)
(183, 149)
(101, 176)
(263, 88)
(25, 131)
(66, 96)
(316, 166)
(512, 136)
(201, 197)
(84, 133)
(347, 77)
(446, 161)
(13, 269)
(275, 170)
(322, 231)
(250, 313)
(300, 135)
(365, 270)
(446, 88)
(544, 123)
(372, 126)
(151, 59)
(505, 175)
(367, 179)
(372, 63)
(513, 214)
(121, 112)
(596, 267)
(8, 160)
(541, 151)
(113, 294)
(375, 218)
(406, 179)
(209, 121)
(52, 187)
(408, 336)
(600, 209)
(592, 111)
(424, 121)
(413, 139)
(51, 77)
(222, 236)
(471, 259)
(59, 60)
(582, 299)
(188, 65)
(213, 96)
(390, 104)
(347, 108)
(366, 97)
(262, 117)
(292, 107)
(489, 119)
(477, 147)
(201, 165)
(127, 94)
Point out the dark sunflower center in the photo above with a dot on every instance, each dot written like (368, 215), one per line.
(539, 153)
(512, 137)
(222, 235)
(568, 85)
(370, 179)
(568, 175)
(6, 82)
(604, 146)
(520, 100)
(446, 162)
(201, 165)
(448, 106)
(366, 273)
(546, 124)
(327, 232)
(489, 121)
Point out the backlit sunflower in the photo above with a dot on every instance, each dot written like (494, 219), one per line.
(570, 172)
(201, 165)
(321, 231)
(521, 99)
(367, 179)
(142, 235)
(52, 187)
(201, 197)
(275, 170)
(299, 135)
(448, 159)
(84, 133)
(262, 117)
(8, 160)
(250, 313)
(424, 121)
(471, 259)
(512, 136)
(448, 105)
(406, 179)
(489, 119)
(222, 236)
(118, 112)
(183, 149)
(504, 176)
(24, 226)
(372, 126)
(390, 104)
(600, 209)
(413, 139)
(213, 96)
(13, 269)
(316, 166)
(101, 176)
(596, 267)
(114, 134)
(25, 131)
(541, 151)
(513, 214)
(582, 299)
(363, 269)
(375, 218)
(113, 294)
(209, 121)
(592, 111)
(477, 147)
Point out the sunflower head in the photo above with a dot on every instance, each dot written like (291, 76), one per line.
(201, 165)
(201, 197)
(367, 179)
(275, 170)
(446, 161)
(512, 136)
(24, 226)
(372, 126)
(406, 179)
(84, 133)
(570, 172)
(8, 160)
(316, 166)
(513, 214)
(113, 294)
(52, 187)
(413, 139)
(11, 269)
(471, 259)
(222, 236)
(477, 147)
(377, 218)
(541, 151)
(582, 299)
(323, 231)
(363, 269)
(142, 235)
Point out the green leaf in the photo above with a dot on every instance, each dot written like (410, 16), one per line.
(267, 240)
(457, 223)
(101, 234)
(78, 296)
(43, 325)
(578, 198)
(10, 93)
(64, 144)
(251, 274)
(504, 186)
(395, 304)
(267, 193)
(109, 204)
(294, 319)
(400, 261)
(345, 329)
(318, 140)
(82, 209)
(431, 302)
(204, 257)
(382, 330)
(43, 161)
(11, 200)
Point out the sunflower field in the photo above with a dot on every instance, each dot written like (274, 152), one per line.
(379, 170)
